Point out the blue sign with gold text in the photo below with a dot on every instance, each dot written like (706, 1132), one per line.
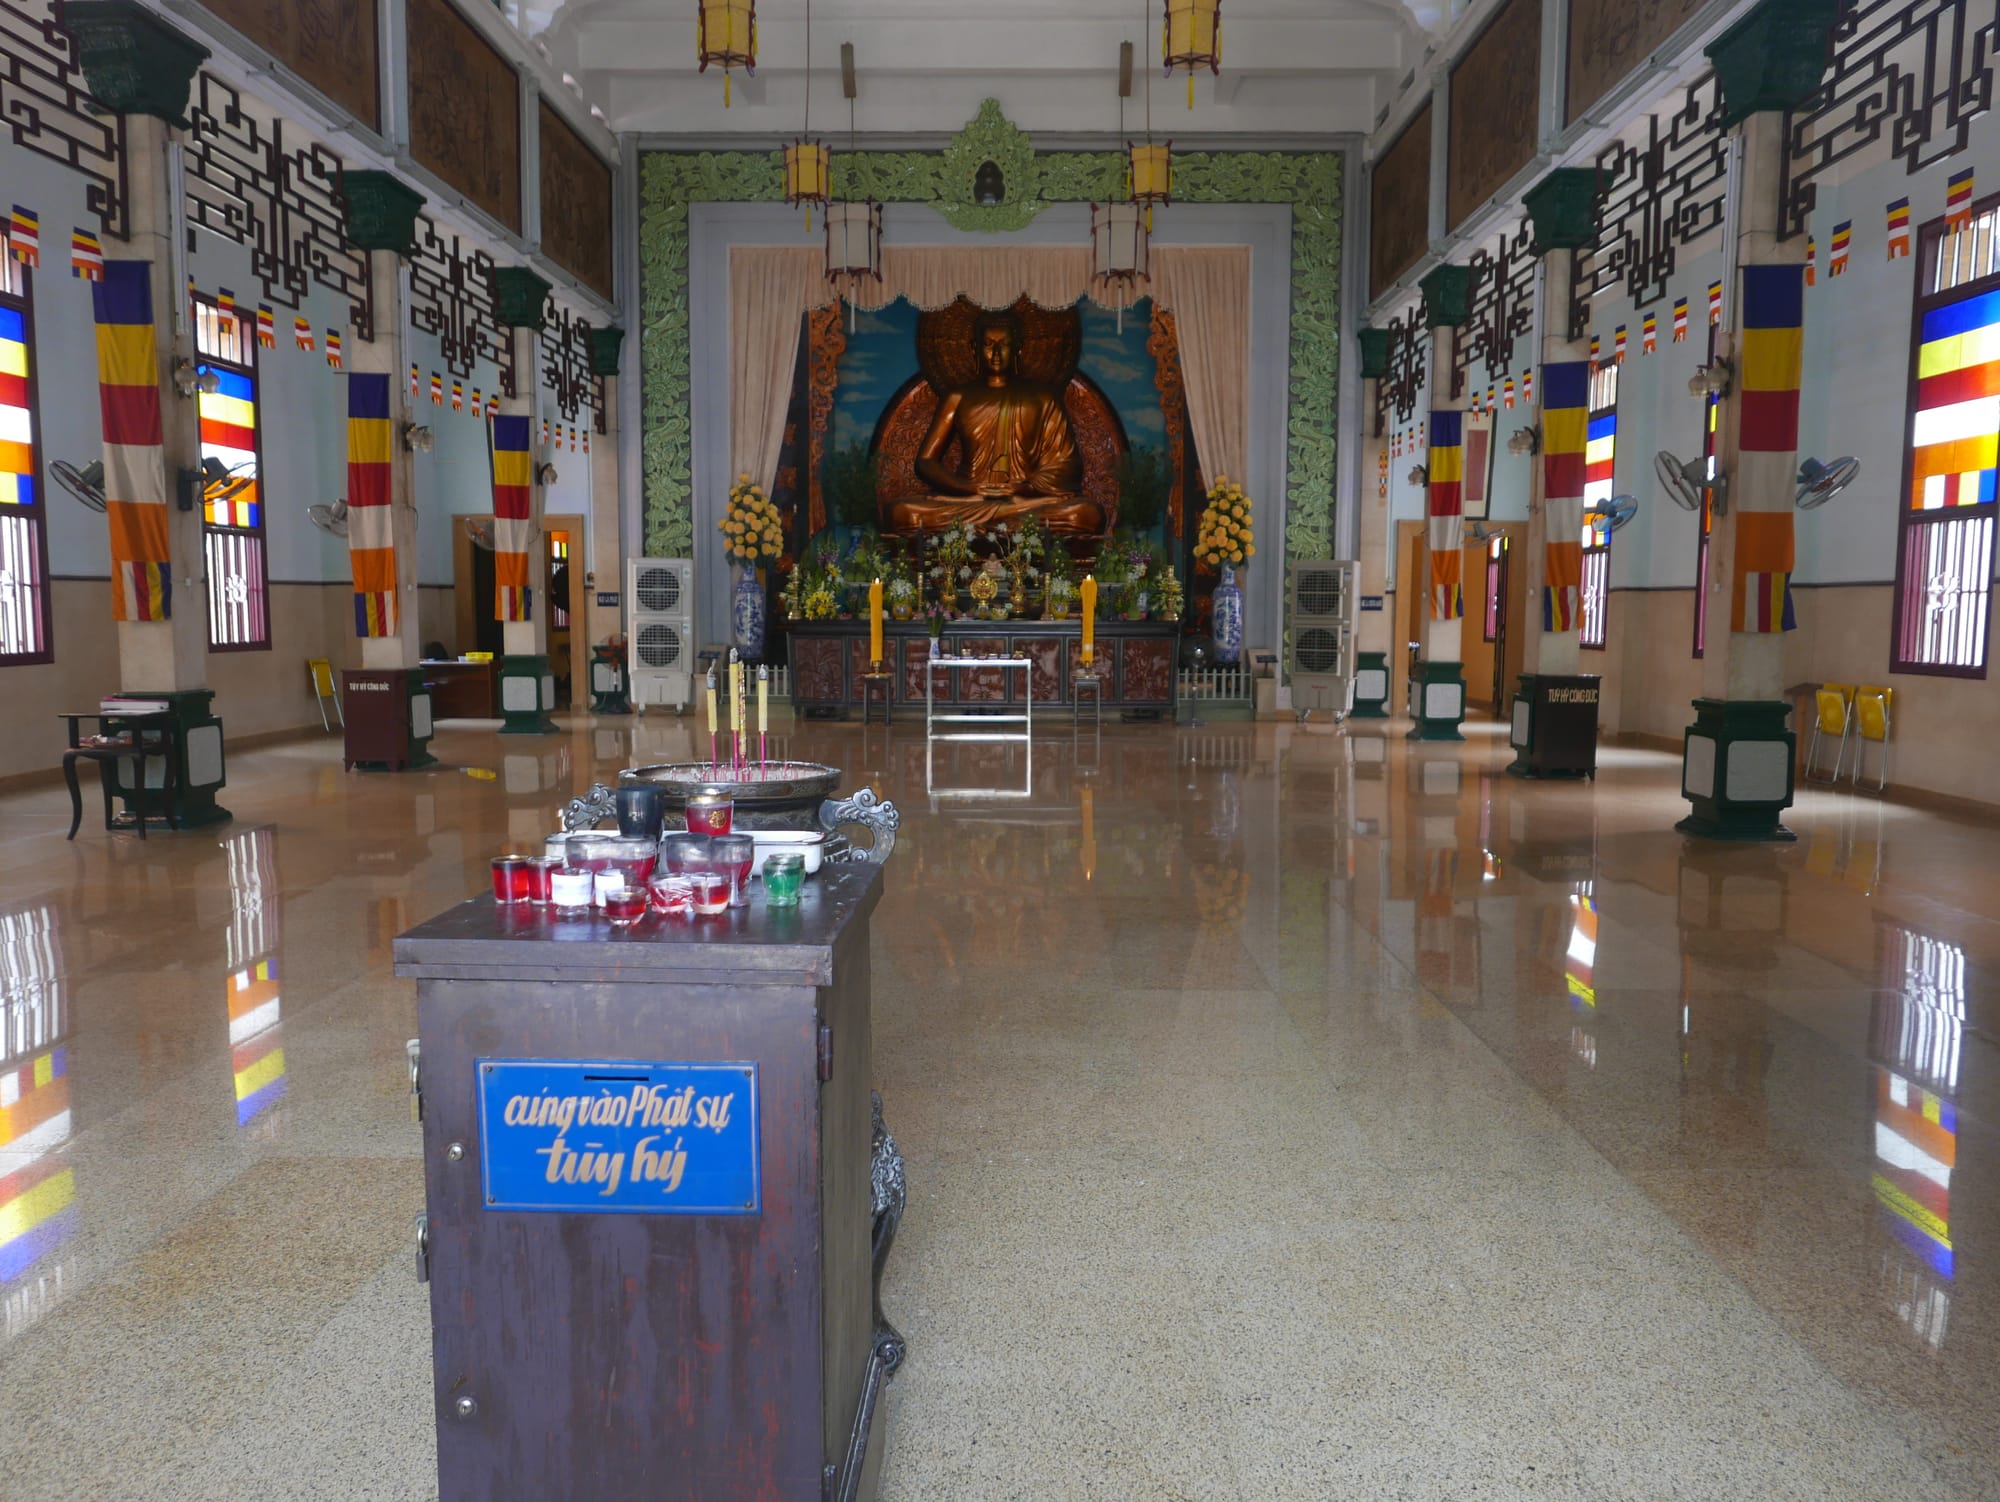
(618, 1136)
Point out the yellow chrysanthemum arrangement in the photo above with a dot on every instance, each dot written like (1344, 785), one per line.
(751, 531)
(1225, 534)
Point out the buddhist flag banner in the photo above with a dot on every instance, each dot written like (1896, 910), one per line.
(1812, 261)
(1596, 349)
(1958, 201)
(1649, 335)
(267, 327)
(225, 302)
(1899, 228)
(458, 396)
(1714, 303)
(1843, 236)
(1528, 387)
(371, 537)
(135, 471)
(1680, 320)
(17, 437)
(586, 431)
(333, 348)
(1954, 449)
(437, 389)
(24, 236)
(1618, 345)
(1770, 360)
(492, 404)
(1565, 446)
(415, 380)
(478, 403)
(1444, 506)
(302, 334)
(1507, 397)
(545, 432)
(513, 476)
(86, 255)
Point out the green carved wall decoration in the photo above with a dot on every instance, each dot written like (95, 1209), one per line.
(1308, 182)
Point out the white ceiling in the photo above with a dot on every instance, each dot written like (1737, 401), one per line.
(1289, 67)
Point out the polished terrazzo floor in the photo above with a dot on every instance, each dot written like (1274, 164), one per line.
(1289, 1114)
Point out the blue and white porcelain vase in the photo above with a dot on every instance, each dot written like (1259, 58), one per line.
(1228, 621)
(746, 614)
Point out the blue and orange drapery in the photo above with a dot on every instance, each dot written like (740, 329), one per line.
(513, 475)
(135, 473)
(1770, 360)
(371, 537)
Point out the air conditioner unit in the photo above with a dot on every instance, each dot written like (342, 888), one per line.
(1321, 667)
(659, 631)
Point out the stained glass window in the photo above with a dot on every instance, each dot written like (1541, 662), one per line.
(232, 500)
(1599, 472)
(24, 613)
(1944, 573)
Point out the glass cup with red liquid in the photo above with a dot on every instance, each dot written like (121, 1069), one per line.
(711, 813)
(599, 853)
(733, 855)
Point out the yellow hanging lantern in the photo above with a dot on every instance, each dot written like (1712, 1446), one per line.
(1191, 37)
(728, 36)
(1150, 171)
(808, 174)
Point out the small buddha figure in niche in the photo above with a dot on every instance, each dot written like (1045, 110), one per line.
(1015, 440)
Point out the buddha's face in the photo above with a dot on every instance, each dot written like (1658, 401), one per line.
(996, 349)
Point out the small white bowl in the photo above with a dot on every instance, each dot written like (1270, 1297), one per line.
(807, 842)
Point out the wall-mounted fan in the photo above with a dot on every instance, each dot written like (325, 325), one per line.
(481, 533)
(86, 484)
(332, 519)
(1685, 479)
(1820, 483)
(1618, 510)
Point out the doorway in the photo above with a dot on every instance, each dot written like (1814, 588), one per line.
(560, 545)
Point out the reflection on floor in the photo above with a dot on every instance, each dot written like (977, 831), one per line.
(1289, 1114)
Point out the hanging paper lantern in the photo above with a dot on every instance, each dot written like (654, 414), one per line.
(1150, 169)
(728, 36)
(1191, 37)
(1119, 248)
(808, 174)
(853, 245)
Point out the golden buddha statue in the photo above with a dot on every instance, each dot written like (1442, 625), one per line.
(1015, 439)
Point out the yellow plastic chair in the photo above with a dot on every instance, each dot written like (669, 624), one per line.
(1871, 723)
(324, 690)
(1835, 705)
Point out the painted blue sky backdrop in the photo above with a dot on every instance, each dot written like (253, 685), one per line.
(882, 354)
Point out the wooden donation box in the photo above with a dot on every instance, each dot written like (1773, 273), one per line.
(651, 1176)
(1554, 725)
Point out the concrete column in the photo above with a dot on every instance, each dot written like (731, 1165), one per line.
(385, 354)
(1371, 490)
(170, 654)
(1440, 688)
(1740, 756)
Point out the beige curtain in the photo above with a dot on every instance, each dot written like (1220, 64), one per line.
(770, 287)
(934, 276)
(1208, 289)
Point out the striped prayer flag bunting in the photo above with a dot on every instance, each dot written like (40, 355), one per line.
(24, 236)
(415, 379)
(267, 327)
(1958, 201)
(1618, 345)
(86, 255)
(302, 334)
(17, 447)
(1898, 215)
(1507, 396)
(458, 396)
(1715, 302)
(1680, 320)
(1565, 450)
(1649, 334)
(333, 351)
(1596, 349)
(1812, 261)
(1843, 235)
(1444, 505)
(437, 389)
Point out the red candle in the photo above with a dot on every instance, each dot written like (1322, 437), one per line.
(710, 813)
(510, 879)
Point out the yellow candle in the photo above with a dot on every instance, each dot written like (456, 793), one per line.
(1089, 616)
(736, 696)
(763, 701)
(875, 621)
(711, 704)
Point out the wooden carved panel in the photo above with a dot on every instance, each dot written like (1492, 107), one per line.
(328, 43)
(1609, 38)
(1399, 205)
(1495, 94)
(816, 668)
(1146, 671)
(576, 203)
(465, 109)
